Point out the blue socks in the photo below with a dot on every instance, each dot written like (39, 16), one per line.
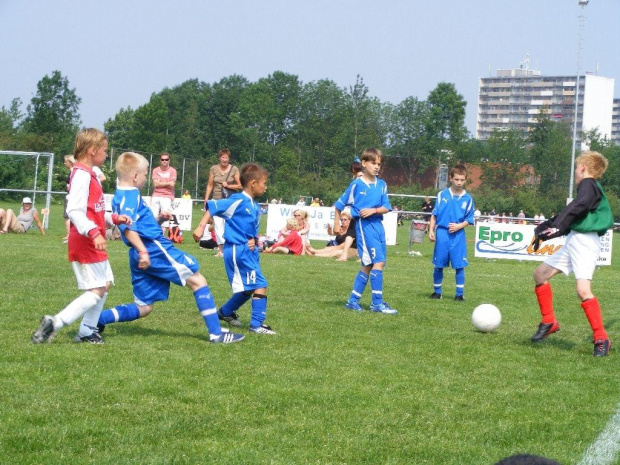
(459, 277)
(460, 281)
(437, 280)
(376, 285)
(234, 303)
(358, 286)
(259, 310)
(127, 312)
(206, 307)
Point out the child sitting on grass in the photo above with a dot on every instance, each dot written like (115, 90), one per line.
(292, 243)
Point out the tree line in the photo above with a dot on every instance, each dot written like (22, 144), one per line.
(307, 134)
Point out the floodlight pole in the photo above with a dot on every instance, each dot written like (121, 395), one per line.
(582, 4)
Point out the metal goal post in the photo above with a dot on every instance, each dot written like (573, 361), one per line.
(50, 174)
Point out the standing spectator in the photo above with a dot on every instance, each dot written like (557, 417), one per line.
(223, 181)
(521, 217)
(476, 215)
(69, 161)
(536, 219)
(427, 207)
(164, 180)
(186, 195)
(316, 202)
(301, 202)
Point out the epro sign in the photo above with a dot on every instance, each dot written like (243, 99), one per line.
(514, 242)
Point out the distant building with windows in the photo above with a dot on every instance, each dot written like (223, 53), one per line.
(515, 97)
(615, 122)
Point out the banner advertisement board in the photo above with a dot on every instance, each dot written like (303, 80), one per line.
(182, 208)
(319, 218)
(514, 242)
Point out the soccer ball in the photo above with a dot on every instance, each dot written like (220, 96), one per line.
(486, 318)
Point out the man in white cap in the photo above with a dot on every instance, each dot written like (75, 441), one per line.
(21, 223)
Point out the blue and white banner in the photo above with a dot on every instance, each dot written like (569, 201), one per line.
(514, 242)
(182, 208)
(319, 218)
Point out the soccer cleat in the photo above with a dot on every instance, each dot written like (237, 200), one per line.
(232, 320)
(226, 338)
(45, 332)
(459, 298)
(383, 308)
(355, 306)
(601, 347)
(93, 338)
(262, 329)
(544, 329)
(435, 295)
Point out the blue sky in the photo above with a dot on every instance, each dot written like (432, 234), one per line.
(117, 53)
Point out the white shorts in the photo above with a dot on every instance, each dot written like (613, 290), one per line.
(578, 255)
(218, 226)
(92, 275)
(160, 204)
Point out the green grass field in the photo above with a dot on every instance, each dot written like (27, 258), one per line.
(333, 387)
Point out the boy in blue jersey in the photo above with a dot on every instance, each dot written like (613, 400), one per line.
(367, 197)
(154, 261)
(454, 210)
(241, 258)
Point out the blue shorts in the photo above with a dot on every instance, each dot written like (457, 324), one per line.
(168, 265)
(370, 241)
(243, 268)
(450, 248)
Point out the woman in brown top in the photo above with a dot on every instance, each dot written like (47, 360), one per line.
(222, 175)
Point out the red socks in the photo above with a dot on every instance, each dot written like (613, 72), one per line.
(593, 313)
(544, 294)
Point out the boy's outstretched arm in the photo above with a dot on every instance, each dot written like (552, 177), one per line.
(200, 229)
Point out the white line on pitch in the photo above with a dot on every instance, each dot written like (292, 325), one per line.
(603, 451)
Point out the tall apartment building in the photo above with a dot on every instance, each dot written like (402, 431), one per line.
(615, 122)
(515, 97)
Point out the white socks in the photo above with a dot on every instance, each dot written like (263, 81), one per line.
(80, 306)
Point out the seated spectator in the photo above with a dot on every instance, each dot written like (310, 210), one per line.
(21, 223)
(304, 228)
(345, 246)
(186, 195)
(291, 243)
(209, 240)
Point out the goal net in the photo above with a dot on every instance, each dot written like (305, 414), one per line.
(27, 174)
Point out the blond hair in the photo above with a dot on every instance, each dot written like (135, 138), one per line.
(292, 223)
(70, 159)
(595, 163)
(86, 139)
(303, 213)
(129, 163)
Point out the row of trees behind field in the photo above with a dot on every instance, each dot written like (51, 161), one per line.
(307, 134)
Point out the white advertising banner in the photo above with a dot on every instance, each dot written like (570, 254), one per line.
(514, 242)
(182, 208)
(319, 218)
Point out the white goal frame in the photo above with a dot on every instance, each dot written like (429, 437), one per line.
(50, 174)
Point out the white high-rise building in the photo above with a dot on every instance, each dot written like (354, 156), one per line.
(615, 122)
(515, 97)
